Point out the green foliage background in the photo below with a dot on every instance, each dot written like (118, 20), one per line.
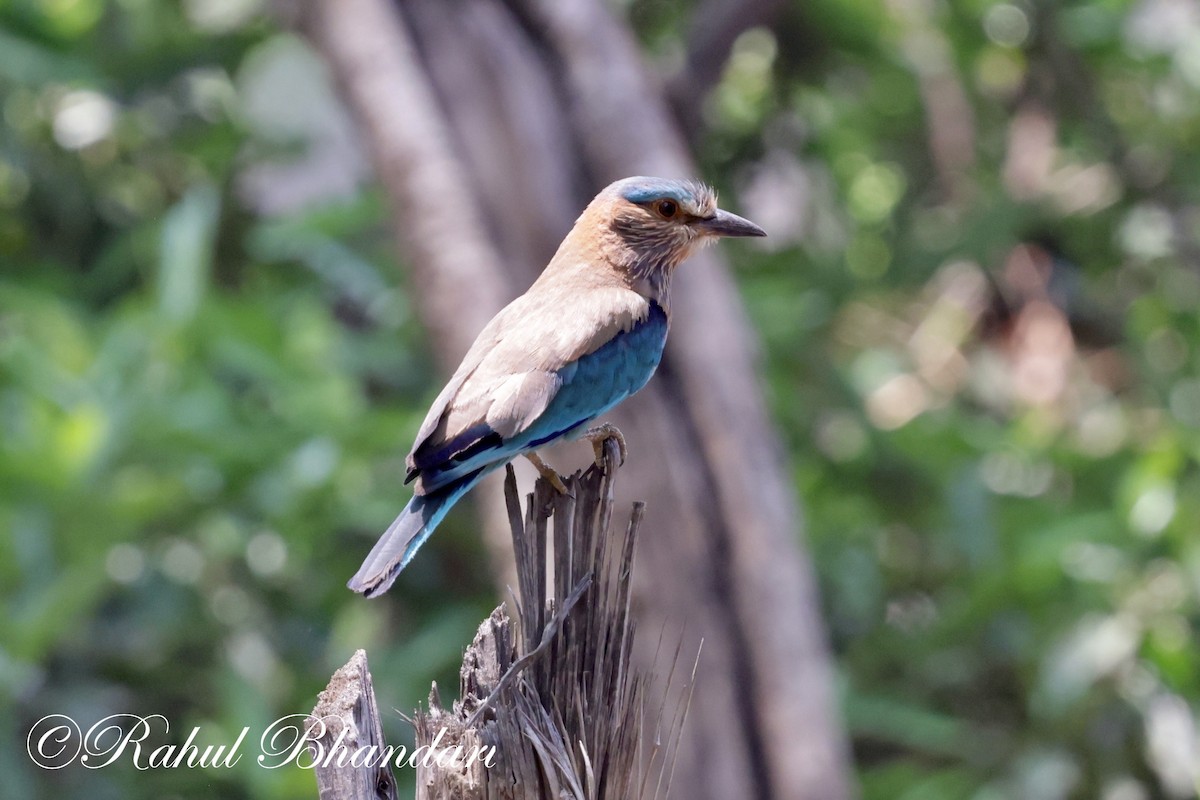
(205, 402)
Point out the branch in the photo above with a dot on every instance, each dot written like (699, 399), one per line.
(456, 272)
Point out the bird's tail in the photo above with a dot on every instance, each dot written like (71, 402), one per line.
(405, 536)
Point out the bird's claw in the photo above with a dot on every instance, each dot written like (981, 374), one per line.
(548, 472)
(557, 482)
(601, 434)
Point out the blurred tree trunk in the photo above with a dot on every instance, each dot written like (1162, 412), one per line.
(492, 123)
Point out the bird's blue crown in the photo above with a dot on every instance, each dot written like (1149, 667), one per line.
(647, 190)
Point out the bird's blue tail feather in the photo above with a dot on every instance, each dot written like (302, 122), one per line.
(406, 534)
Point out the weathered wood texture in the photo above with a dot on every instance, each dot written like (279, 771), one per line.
(347, 718)
(551, 687)
(492, 123)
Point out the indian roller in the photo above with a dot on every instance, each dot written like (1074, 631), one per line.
(587, 334)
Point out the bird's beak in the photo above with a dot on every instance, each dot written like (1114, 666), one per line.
(725, 224)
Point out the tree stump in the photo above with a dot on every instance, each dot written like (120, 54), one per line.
(549, 705)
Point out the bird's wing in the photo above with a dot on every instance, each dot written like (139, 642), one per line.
(512, 373)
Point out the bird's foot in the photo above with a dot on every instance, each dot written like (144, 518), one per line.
(548, 472)
(601, 434)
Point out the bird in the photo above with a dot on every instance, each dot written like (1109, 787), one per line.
(588, 333)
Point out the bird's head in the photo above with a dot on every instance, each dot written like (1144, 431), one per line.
(649, 225)
(659, 217)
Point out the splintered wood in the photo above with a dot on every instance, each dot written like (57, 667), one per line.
(346, 720)
(550, 686)
(549, 706)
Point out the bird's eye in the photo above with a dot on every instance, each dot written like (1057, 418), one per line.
(667, 208)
